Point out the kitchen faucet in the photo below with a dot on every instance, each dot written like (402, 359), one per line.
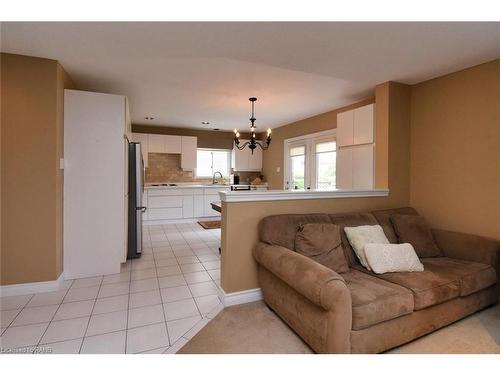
(214, 181)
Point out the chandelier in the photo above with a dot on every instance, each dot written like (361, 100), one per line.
(252, 143)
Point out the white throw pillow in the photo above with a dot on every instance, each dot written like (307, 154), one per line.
(360, 236)
(384, 258)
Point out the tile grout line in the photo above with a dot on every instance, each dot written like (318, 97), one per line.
(161, 300)
(48, 325)
(20, 310)
(90, 317)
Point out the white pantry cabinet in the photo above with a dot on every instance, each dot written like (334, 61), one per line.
(243, 160)
(95, 183)
(355, 152)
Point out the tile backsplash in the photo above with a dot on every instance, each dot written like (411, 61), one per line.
(167, 168)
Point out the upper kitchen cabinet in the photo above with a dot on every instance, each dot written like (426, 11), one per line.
(172, 144)
(356, 127)
(156, 143)
(143, 139)
(243, 160)
(188, 152)
(165, 144)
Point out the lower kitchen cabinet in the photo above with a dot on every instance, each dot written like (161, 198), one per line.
(209, 199)
(180, 203)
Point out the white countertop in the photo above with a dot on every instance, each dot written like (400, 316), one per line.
(281, 195)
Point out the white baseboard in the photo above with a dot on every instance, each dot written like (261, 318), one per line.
(30, 288)
(238, 298)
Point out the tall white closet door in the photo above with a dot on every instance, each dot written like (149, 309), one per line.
(362, 167)
(344, 168)
(94, 183)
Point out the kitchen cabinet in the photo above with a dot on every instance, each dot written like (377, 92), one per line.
(164, 144)
(95, 183)
(362, 167)
(243, 160)
(355, 151)
(143, 139)
(189, 146)
(363, 124)
(172, 144)
(156, 143)
(209, 199)
(345, 123)
(356, 127)
(187, 206)
(198, 205)
(344, 168)
(181, 202)
(355, 167)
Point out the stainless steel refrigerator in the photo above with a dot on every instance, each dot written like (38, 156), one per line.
(135, 207)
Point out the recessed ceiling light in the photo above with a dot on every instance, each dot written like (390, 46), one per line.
(149, 118)
(205, 122)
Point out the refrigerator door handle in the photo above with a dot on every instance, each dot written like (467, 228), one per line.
(142, 208)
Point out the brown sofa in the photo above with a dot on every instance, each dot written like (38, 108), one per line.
(362, 312)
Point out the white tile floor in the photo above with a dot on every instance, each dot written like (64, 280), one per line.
(155, 305)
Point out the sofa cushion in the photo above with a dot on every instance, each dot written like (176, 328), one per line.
(322, 243)
(384, 219)
(392, 257)
(414, 229)
(375, 300)
(430, 287)
(351, 220)
(362, 235)
(280, 230)
(472, 276)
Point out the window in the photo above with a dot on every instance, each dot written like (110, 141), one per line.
(298, 167)
(210, 161)
(326, 156)
(310, 162)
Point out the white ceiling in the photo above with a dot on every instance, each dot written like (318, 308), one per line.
(186, 73)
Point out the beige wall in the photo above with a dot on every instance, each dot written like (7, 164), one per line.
(32, 185)
(240, 220)
(455, 150)
(273, 157)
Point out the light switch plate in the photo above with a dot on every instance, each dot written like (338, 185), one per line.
(278, 169)
(61, 163)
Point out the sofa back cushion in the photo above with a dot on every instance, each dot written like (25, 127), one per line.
(323, 244)
(351, 219)
(414, 230)
(384, 219)
(280, 230)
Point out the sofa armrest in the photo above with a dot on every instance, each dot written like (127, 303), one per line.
(319, 284)
(469, 247)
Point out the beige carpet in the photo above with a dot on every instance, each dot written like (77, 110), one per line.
(254, 328)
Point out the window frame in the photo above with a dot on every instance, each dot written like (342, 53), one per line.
(310, 141)
(212, 166)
